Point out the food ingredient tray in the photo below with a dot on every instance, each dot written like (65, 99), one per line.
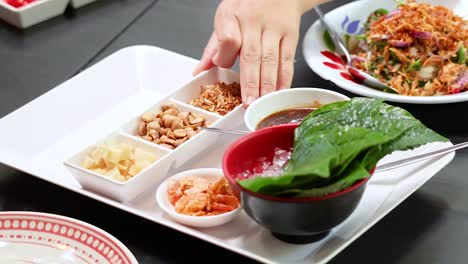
(103, 100)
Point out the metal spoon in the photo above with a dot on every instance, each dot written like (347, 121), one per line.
(366, 79)
(385, 167)
(225, 131)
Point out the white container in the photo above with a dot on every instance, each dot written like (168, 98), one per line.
(80, 3)
(117, 190)
(170, 159)
(194, 221)
(33, 13)
(287, 99)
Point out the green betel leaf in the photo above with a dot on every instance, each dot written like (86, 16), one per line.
(339, 143)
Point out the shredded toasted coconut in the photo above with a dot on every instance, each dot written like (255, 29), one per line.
(219, 98)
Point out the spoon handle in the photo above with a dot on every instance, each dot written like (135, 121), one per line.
(334, 35)
(225, 131)
(429, 155)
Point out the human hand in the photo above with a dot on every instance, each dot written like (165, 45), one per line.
(264, 34)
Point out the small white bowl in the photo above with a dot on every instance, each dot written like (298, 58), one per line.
(287, 99)
(194, 221)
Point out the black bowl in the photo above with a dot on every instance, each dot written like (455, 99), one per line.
(293, 220)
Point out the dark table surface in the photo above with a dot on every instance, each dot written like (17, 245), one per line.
(431, 226)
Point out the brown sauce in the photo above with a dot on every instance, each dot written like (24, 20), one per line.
(295, 115)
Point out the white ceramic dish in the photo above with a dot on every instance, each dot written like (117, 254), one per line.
(195, 221)
(287, 99)
(33, 13)
(80, 3)
(30, 237)
(76, 114)
(349, 19)
(126, 191)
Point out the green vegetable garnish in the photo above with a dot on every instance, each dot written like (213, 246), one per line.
(381, 11)
(327, 39)
(339, 144)
(414, 66)
(374, 16)
(361, 36)
(461, 55)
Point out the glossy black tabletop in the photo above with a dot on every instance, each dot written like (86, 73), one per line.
(431, 226)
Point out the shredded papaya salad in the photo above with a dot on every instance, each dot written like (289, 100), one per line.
(418, 49)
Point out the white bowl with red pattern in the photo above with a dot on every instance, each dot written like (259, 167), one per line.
(30, 237)
(193, 221)
(349, 19)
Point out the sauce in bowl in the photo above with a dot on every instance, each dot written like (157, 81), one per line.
(287, 116)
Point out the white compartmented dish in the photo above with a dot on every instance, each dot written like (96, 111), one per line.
(167, 158)
(104, 99)
(33, 13)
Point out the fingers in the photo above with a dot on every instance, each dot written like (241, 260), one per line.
(206, 61)
(270, 58)
(250, 59)
(286, 60)
(229, 40)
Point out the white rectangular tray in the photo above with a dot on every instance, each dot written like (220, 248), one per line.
(102, 99)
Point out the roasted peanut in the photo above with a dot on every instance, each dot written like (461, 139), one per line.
(148, 116)
(168, 141)
(180, 133)
(169, 127)
(170, 134)
(172, 112)
(167, 106)
(168, 120)
(193, 119)
(154, 125)
(153, 133)
(183, 115)
(163, 131)
(142, 128)
(177, 124)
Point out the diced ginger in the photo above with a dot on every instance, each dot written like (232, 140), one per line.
(141, 155)
(118, 161)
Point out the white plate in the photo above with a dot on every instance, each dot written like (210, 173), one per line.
(33, 13)
(103, 98)
(29, 237)
(349, 19)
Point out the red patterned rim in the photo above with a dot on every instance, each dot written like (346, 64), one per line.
(69, 229)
